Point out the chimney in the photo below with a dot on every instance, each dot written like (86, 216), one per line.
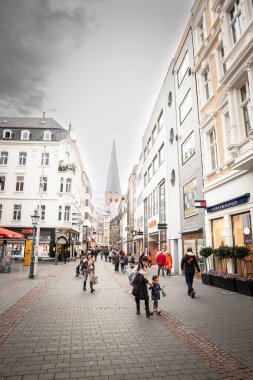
(44, 115)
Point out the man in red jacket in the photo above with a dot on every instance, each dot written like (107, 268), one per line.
(161, 260)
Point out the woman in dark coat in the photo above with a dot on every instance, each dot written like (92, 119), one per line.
(140, 286)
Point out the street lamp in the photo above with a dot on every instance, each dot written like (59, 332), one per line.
(35, 219)
(56, 238)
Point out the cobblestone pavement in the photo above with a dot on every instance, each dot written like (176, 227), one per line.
(51, 329)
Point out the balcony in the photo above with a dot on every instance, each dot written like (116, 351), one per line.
(243, 154)
(66, 167)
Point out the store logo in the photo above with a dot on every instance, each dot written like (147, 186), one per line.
(152, 224)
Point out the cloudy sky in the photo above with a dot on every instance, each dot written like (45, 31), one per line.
(98, 64)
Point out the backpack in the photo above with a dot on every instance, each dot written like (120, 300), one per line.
(132, 276)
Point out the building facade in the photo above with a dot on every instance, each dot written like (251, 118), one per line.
(41, 168)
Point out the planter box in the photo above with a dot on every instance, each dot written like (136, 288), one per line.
(229, 284)
(218, 281)
(206, 279)
(245, 287)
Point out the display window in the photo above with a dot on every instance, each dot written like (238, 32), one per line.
(218, 232)
(242, 229)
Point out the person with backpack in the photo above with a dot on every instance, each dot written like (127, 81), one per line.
(188, 265)
(140, 283)
(88, 269)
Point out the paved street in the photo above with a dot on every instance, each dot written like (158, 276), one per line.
(51, 329)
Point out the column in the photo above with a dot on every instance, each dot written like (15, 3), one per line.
(233, 130)
(250, 77)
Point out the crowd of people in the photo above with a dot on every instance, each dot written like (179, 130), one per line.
(141, 281)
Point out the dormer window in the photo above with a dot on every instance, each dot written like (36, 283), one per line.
(7, 134)
(25, 135)
(47, 135)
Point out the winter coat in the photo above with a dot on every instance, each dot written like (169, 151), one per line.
(160, 259)
(155, 291)
(189, 262)
(168, 263)
(140, 289)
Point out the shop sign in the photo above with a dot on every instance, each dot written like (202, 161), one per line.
(230, 203)
(162, 226)
(190, 194)
(152, 224)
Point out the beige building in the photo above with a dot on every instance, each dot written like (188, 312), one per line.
(223, 42)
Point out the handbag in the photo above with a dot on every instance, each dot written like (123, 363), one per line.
(95, 280)
(164, 293)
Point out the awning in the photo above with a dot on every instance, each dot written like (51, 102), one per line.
(8, 234)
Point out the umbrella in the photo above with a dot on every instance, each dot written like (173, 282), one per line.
(8, 234)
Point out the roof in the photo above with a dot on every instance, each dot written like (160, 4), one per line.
(29, 123)
(113, 183)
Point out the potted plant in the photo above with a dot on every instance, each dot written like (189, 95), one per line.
(206, 276)
(239, 253)
(229, 282)
(223, 252)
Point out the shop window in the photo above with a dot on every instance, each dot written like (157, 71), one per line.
(242, 229)
(218, 232)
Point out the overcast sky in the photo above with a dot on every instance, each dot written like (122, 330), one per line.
(98, 64)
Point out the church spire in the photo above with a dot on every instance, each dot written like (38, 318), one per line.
(113, 183)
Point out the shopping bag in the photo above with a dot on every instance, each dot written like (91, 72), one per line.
(95, 280)
(164, 293)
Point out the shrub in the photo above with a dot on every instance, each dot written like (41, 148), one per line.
(206, 251)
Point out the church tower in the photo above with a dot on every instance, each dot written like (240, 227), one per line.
(112, 191)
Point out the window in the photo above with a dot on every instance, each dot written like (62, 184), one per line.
(145, 153)
(170, 99)
(45, 158)
(1, 210)
(47, 135)
(145, 179)
(236, 19)
(188, 148)
(242, 229)
(3, 158)
(43, 212)
(222, 65)
(67, 214)
(245, 107)
(17, 212)
(201, 31)
(182, 69)
(149, 172)
(185, 106)
(161, 154)
(154, 133)
(61, 185)
(86, 202)
(22, 158)
(207, 84)
(60, 213)
(20, 183)
(2, 183)
(160, 121)
(43, 183)
(173, 177)
(68, 185)
(149, 144)
(150, 205)
(162, 214)
(155, 201)
(25, 135)
(218, 232)
(213, 150)
(155, 164)
(7, 133)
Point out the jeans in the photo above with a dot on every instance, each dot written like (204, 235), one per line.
(155, 303)
(189, 281)
(160, 267)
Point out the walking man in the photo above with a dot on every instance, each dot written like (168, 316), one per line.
(161, 260)
(188, 264)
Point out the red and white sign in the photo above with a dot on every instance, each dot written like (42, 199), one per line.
(200, 204)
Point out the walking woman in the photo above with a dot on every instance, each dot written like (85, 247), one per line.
(140, 286)
(88, 269)
(168, 263)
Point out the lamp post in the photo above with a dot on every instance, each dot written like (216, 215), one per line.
(35, 219)
(133, 236)
(56, 238)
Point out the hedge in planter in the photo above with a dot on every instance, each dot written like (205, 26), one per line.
(244, 285)
(206, 278)
(229, 282)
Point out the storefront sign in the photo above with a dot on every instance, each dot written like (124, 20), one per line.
(230, 203)
(162, 226)
(190, 194)
(28, 245)
(152, 224)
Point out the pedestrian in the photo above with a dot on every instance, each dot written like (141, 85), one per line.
(160, 259)
(140, 283)
(88, 269)
(116, 261)
(155, 293)
(122, 261)
(65, 256)
(188, 265)
(95, 254)
(101, 254)
(106, 254)
(150, 258)
(168, 263)
(75, 255)
(110, 255)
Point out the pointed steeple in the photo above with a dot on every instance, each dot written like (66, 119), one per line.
(113, 184)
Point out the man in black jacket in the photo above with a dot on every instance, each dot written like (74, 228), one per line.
(188, 264)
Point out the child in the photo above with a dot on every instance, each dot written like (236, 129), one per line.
(155, 293)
